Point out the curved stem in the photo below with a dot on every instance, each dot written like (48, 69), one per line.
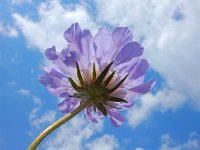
(57, 124)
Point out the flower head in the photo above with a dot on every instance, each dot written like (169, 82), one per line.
(108, 70)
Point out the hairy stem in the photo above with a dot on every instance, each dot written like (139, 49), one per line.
(57, 124)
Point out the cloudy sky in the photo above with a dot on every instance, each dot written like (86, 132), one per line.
(168, 118)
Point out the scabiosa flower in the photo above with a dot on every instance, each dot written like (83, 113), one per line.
(106, 69)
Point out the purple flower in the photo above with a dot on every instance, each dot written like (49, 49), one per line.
(107, 69)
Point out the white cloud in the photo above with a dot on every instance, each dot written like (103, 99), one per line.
(11, 83)
(34, 113)
(24, 92)
(193, 134)
(20, 1)
(37, 100)
(8, 30)
(27, 93)
(162, 101)
(38, 121)
(35, 119)
(72, 135)
(139, 148)
(167, 143)
(54, 19)
(106, 142)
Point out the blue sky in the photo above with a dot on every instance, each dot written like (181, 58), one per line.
(168, 118)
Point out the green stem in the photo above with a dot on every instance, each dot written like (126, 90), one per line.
(57, 124)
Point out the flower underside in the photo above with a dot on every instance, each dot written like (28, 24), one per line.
(84, 71)
(97, 91)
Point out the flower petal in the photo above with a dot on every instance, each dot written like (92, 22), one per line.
(69, 71)
(67, 105)
(110, 44)
(116, 119)
(73, 34)
(70, 57)
(130, 83)
(59, 92)
(103, 41)
(130, 98)
(88, 56)
(122, 35)
(129, 104)
(128, 52)
(50, 53)
(64, 106)
(144, 88)
(139, 69)
(90, 116)
(49, 81)
(54, 72)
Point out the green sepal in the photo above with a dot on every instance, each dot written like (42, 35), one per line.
(118, 84)
(103, 74)
(94, 108)
(115, 99)
(74, 85)
(109, 78)
(94, 72)
(79, 75)
(101, 107)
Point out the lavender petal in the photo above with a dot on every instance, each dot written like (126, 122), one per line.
(144, 88)
(121, 36)
(67, 105)
(87, 46)
(59, 92)
(49, 81)
(103, 41)
(50, 53)
(52, 71)
(116, 118)
(64, 106)
(139, 69)
(128, 52)
(70, 57)
(73, 34)
(90, 116)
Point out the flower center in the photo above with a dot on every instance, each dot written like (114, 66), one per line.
(97, 91)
